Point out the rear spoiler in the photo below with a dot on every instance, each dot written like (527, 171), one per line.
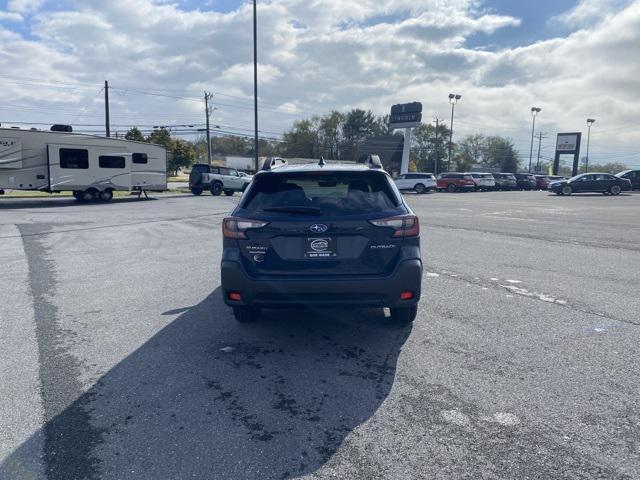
(273, 162)
(373, 161)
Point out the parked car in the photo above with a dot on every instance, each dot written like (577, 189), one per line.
(556, 178)
(633, 176)
(416, 181)
(591, 182)
(505, 181)
(453, 182)
(322, 235)
(525, 181)
(483, 181)
(216, 180)
(542, 182)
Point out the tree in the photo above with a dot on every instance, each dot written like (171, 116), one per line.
(499, 152)
(134, 134)
(427, 145)
(329, 134)
(162, 137)
(182, 156)
(302, 140)
(358, 125)
(613, 167)
(471, 148)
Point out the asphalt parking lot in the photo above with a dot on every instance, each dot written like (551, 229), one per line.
(118, 359)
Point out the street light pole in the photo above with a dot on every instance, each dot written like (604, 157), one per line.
(435, 163)
(255, 84)
(590, 121)
(534, 112)
(453, 99)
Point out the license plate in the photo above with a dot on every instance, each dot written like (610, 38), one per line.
(320, 248)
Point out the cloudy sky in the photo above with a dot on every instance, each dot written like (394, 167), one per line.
(573, 58)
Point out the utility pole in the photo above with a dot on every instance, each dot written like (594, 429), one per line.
(255, 83)
(106, 108)
(207, 97)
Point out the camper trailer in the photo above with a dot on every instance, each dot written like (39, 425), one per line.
(90, 166)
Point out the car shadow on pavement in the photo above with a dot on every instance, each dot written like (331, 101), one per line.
(207, 397)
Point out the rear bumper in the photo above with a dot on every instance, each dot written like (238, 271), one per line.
(356, 291)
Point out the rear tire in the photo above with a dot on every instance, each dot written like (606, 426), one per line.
(106, 195)
(246, 314)
(404, 315)
(451, 188)
(228, 193)
(88, 195)
(196, 191)
(567, 190)
(216, 189)
(615, 190)
(420, 188)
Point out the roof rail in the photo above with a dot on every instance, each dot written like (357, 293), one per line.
(273, 162)
(373, 161)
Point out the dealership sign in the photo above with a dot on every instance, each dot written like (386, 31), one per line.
(406, 115)
(567, 144)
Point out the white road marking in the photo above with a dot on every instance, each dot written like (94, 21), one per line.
(432, 274)
(514, 281)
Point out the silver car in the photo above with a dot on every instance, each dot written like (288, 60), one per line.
(483, 181)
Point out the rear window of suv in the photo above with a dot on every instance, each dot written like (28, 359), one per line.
(325, 193)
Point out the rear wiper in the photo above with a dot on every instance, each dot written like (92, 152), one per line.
(294, 209)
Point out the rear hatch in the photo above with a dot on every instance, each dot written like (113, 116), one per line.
(320, 223)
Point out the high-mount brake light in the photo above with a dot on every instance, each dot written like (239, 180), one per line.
(404, 225)
(233, 227)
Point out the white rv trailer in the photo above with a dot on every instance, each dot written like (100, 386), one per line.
(90, 166)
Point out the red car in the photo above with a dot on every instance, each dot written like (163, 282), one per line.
(542, 182)
(452, 182)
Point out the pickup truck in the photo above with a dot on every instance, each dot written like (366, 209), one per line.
(216, 180)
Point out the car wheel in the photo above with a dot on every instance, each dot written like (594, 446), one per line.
(106, 195)
(228, 193)
(451, 188)
(216, 188)
(196, 190)
(88, 195)
(245, 314)
(567, 190)
(420, 188)
(615, 190)
(404, 315)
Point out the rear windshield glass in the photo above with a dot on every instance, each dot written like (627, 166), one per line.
(482, 175)
(330, 193)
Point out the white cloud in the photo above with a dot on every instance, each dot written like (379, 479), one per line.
(24, 6)
(589, 12)
(10, 16)
(322, 55)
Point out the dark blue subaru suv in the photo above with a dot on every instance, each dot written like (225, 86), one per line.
(322, 235)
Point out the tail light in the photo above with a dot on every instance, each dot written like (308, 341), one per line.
(233, 227)
(404, 225)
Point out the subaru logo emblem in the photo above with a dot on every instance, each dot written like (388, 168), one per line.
(318, 228)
